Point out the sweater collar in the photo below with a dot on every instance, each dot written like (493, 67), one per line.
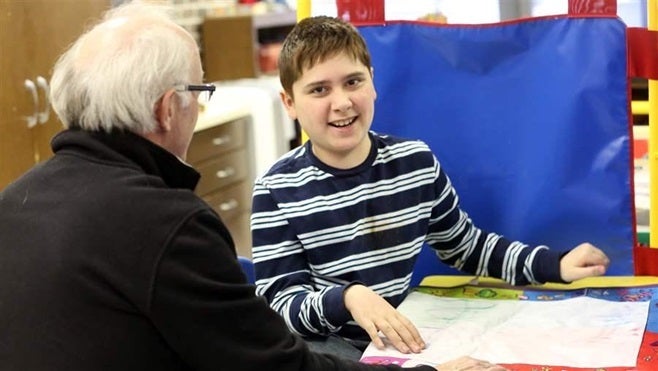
(367, 163)
(124, 146)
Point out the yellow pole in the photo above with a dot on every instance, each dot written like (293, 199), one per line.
(652, 23)
(303, 11)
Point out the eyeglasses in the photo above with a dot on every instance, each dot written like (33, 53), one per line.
(205, 90)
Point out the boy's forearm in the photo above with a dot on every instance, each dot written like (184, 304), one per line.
(314, 313)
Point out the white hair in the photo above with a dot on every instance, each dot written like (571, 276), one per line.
(113, 76)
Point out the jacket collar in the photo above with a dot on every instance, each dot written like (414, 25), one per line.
(126, 147)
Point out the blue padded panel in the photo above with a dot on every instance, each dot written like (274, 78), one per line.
(530, 119)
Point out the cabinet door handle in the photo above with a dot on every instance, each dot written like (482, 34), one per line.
(44, 114)
(225, 173)
(228, 205)
(220, 141)
(33, 119)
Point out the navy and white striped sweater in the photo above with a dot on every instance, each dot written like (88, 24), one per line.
(317, 229)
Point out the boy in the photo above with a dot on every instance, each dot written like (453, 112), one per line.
(338, 223)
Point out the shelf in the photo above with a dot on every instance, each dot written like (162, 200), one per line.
(232, 44)
(640, 107)
(274, 19)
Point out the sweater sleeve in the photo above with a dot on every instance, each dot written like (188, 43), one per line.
(210, 317)
(459, 243)
(283, 275)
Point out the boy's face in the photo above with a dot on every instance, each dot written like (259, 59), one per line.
(334, 102)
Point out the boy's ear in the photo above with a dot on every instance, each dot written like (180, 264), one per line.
(289, 104)
(372, 77)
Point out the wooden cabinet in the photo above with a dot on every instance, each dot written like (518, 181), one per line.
(221, 154)
(231, 44)
(33, 34)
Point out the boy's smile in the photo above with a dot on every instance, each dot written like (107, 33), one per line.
(334, 104)
(343, 123)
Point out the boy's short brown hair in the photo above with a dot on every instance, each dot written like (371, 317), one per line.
(315, 39)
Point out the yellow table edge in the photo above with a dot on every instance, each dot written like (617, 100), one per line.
(590, 282)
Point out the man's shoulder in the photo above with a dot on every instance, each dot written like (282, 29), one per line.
(116, 186)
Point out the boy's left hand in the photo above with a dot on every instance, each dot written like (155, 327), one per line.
(585, 260)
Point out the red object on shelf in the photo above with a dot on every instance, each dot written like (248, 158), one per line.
(640, 148)
(361, 11)
(268, 57)
(593, 7)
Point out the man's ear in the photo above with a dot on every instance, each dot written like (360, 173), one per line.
(165, 110)
(289, 104)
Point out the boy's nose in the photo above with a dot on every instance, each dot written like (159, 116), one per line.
(341, 101)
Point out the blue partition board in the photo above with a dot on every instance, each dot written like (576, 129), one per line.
(530, 120)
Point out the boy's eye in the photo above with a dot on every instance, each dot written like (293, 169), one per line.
(354, 81)
(318, 90)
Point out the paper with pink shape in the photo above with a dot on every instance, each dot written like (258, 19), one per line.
(578, 332)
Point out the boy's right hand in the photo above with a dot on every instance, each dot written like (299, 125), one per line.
(469, 364)
(375, 314)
